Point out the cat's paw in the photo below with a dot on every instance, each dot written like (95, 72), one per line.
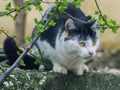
(85, 68)
(80, 70)
(60, 69)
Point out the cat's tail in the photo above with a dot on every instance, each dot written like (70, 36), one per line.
(11, 50)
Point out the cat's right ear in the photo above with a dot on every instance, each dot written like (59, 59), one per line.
(69, 25)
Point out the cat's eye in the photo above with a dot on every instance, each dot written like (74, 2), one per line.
(82, 44)
(94, 43)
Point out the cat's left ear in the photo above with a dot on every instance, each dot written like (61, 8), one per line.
(94, 25)
(69, 25)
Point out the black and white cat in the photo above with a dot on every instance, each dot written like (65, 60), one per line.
(68, 44)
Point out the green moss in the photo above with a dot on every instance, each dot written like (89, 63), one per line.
(35, 80)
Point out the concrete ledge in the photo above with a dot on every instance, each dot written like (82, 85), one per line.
(36, 80)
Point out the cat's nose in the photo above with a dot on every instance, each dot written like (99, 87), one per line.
(91, 53)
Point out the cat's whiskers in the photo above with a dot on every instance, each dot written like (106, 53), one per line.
(72, 56)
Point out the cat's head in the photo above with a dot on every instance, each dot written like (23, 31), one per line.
(80, 38)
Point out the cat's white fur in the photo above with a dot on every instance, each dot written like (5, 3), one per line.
(68, 55)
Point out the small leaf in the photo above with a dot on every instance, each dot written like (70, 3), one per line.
(37, 61)
(102, 30)
(36, 21)
(105, 17)
(21, 63)
(114, 30)
(28, 39)
(8, 7)
(18, 53)
(28, 3)
(96, 12)
(18, 8)
(5, 64)
(77, 3)
(50, 13)
(15, 17)
(29, 8)
(1, 13)
(52, 23)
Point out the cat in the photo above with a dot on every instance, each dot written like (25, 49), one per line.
(68, 44)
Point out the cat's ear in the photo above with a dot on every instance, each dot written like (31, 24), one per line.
(69, 25)
(94, 25)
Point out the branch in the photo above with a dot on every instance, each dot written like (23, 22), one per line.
(105, 27)
(8, 71)
(100, 11)
(3, 31)
(14, 10)
(24, 6)
(74, 18)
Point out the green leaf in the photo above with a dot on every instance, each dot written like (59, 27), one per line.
(1, 13)
(29, 8)
(96, 12)
(18, 8)
(52, 23)
(28, 39)
(50, 13)
(105, 17)
(5, 64)
(56, 16)
(8, 7)
(36, 21)
(37, 61)
(77, 3)
(28, 5)
(21, 63)
(114, 30)
(62, 7)
(39, 7)
(15, 17)
(102, 30)
(18, 53)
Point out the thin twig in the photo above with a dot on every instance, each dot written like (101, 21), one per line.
(14, 10)
(74, 17)
(8, 71)
(23, 7)
(105, 27)
(3, 31)
(100, 11)
(3, 55)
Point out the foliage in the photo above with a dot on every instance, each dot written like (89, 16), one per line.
(105, 21)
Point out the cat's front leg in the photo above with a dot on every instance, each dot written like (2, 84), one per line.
(59, 68)
(79, 70)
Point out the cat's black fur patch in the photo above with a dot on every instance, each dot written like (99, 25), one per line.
(85, 31)
(50, 34)
(11, 49)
